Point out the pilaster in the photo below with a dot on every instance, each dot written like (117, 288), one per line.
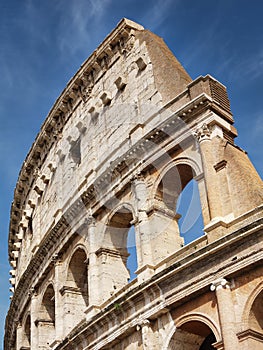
(93, 269)
(34, 315)
(148, 338)
(226, 313)
(59, 319)
(142, 227)
(19, 336)
(207, 147)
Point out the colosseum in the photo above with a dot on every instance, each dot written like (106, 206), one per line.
(129, 132)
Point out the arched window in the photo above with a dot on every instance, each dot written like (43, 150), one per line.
(256, 314)
(75, 291)
(178, 192)
(77, 276)
(172, 184)
(132, 263)
(48, 305)
(118, 254)
(189, 207)
(28, 330)
(193, 335)
(26, 336)
(46, 320)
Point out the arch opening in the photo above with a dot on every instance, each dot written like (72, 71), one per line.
(75, 291)
(193, 335)
(27, 333)
(46, 322)
(132, 264)
(178, 192)
(255, 314)
(188, 206)
(77, 276)
(172, 184)
(48, 305)
(119, 248)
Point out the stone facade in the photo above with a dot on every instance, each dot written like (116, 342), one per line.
(126, 136)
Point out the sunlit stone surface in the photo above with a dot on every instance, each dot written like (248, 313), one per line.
(102, 180)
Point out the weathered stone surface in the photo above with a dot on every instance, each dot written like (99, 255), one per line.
(126, 136)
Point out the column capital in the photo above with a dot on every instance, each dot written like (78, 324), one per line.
(141, 322)
(203, 133)
(90, 220)
(220, 283)
(33, 292)
(138, 178)
(56, 258)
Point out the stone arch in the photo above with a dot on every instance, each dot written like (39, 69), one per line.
(75, 290)
(78, 246)
(252, 315)
(77, 276)
(181, 170)
(47, 308)
(177, 161)
(171, 181)
(26, 330)
(46, 320)
(75, 296)
(118, 223)
(114, 252)
(193, 332)
(125, 206)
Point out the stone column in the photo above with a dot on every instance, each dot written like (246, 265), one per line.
(208, 151)
(226, 313)
(148, 339)
(221, 170)
(142, 228)
(93, 268)
(144, 250)
(59, 319)
(34, 316)
(143, 325)
(19, 336)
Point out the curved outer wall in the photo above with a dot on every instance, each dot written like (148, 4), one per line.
(128, 133)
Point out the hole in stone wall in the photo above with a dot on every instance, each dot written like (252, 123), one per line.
(189, 207)
(120, 238)
(178, 192)
(48, 305)
(132, 264)
(27, 331)
(75, 152)
(77, 276)
(193, 335)
(255, 315)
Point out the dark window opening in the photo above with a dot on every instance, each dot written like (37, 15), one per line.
(75, 152)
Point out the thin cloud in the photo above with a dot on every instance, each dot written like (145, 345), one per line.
(254, 65)
(202, 45)
(74, 28)
(245, 67)
(158, 13)
(257, 126)
(239, 66)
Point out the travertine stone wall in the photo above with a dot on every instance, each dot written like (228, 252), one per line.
(130, 131)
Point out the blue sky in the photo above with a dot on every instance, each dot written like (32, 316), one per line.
(43, 43)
